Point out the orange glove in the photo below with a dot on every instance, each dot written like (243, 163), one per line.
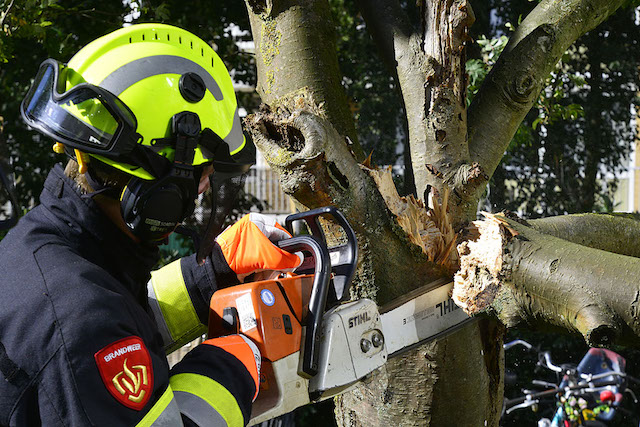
(243, 349)
(248, 248)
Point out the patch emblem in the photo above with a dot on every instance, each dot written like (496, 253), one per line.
(126, 370)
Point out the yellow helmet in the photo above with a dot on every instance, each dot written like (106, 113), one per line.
(151, 100)
(156, 71)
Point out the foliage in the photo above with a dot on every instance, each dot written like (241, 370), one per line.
(177, 246)
(567, 153)
(478, 68)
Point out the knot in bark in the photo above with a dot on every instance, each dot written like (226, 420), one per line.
(287, 138)
(522, 88)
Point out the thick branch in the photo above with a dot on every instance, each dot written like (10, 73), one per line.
(317, 169)
(615, 233)
(296, 52)
(401, 47)
(430, 70)
(389, 28)
(519, 274)
(512, 86)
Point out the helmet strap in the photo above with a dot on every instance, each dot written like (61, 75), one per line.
(98, 185)
(186, 128)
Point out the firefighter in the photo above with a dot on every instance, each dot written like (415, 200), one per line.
(147, 114)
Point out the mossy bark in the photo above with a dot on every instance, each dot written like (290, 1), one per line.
(296, 54)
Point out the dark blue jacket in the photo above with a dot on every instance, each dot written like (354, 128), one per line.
(73, 285)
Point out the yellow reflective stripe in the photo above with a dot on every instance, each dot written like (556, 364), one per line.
(244, 142)
(157, 409)
(218, 397)
(174, 301)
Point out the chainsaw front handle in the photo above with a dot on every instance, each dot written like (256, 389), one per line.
(318, 299)
(343, 258)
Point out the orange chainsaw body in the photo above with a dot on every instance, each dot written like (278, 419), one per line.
(270, 312)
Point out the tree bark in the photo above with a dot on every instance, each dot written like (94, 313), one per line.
(296, 56)
(429, 64)
(318, 167)
(616, 233)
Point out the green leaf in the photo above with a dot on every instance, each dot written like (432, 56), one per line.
(536, 122)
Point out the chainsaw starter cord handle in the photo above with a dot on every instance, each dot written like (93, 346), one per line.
(318, 299)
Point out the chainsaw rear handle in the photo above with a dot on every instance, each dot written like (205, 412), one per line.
(318, 299)
(344, 266)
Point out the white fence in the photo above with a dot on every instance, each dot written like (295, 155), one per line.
(264, 184)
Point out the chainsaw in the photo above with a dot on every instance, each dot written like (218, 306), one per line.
(314, 345)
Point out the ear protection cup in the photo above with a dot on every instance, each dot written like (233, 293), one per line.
(153, 209)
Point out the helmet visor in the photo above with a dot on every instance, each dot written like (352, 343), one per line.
(85, 117)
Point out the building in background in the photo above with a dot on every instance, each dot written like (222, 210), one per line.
(627, 195)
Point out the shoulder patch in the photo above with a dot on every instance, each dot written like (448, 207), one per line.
(126, 370)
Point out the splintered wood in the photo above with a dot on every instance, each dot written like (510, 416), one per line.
(477, 282)
(429, 229)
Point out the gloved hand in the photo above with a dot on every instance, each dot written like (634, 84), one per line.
(248, 248)
(245, 351)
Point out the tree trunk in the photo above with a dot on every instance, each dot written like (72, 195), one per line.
(303, 139)
(306, 134)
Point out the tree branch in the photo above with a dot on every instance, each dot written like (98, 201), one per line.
(401, 48)
(615, 233)
(429, 67)
(512, 86)
(5, 14)
(389, 28)
(521, 275)
(296, 52)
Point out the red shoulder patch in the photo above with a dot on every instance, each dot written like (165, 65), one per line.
(126, 370)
